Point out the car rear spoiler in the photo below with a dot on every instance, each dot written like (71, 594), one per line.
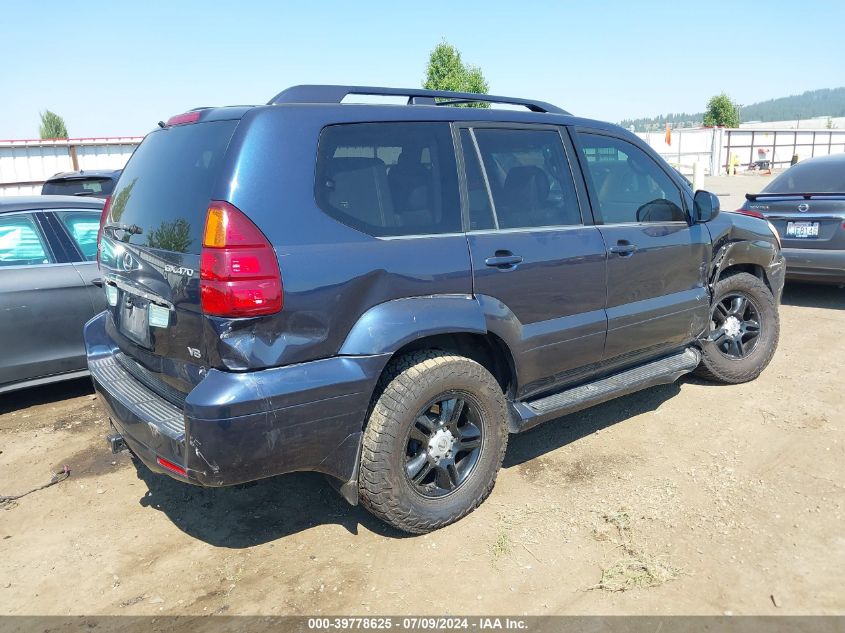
(80, 177)
(805, 196)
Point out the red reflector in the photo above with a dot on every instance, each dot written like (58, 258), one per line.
(175, 468)
(239, 272)
(181, 119)
(753, 214)
(103, 217)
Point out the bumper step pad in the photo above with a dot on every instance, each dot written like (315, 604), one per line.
(142, 401)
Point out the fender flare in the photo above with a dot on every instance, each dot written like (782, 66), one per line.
(388, 326)
(755, 252)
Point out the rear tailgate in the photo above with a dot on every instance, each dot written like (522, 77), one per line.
(804, 221)
(150, 253)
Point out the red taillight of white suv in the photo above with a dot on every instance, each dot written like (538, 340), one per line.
(239, 272)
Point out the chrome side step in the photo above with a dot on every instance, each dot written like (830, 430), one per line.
(660, 372)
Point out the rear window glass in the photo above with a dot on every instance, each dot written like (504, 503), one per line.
(389, 179)
(823, 176)
(167, 185)
(99, 187)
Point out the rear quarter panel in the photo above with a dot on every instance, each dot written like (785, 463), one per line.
(332, 274)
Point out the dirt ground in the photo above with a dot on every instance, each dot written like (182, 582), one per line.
(689, 498)
(698, 498)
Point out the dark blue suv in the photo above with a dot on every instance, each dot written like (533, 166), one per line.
(382, 293)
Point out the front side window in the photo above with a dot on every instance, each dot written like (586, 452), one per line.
(21, 243)
(82, 226)
(629, 185)
(529, 178)
(389, 179)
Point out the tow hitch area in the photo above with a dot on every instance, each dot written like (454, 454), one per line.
(116, 441)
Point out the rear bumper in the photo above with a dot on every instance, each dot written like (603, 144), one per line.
(815, 264)
(239, 427)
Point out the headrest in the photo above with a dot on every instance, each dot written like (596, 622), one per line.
(527, 185)
(353, 163)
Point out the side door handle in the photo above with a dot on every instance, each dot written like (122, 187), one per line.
(623, 248)
(504, 260)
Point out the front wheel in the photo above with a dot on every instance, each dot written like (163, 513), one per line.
(744, 330)
(434, 441)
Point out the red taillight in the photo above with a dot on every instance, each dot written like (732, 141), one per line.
(103, 217)
(174, 468)
(753, 214)
(239, 272)
(181, 119)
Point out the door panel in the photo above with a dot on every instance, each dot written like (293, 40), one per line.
(539, 272)
(657, 296)
(556, 295)
(89, 273)
(43, 305)
(77, 230)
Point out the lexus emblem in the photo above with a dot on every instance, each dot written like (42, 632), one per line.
(127, 262)
(803, 207)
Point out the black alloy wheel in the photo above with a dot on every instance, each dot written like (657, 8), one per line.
(735, 325)
(443, 445)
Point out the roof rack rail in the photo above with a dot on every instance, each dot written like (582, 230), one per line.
(416, 96)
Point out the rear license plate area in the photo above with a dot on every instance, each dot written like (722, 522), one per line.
(802, 230)
(134, 319)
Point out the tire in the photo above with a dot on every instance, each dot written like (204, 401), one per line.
(419, 390)
(719, 361)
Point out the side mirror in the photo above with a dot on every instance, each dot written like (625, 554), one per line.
(706, 206)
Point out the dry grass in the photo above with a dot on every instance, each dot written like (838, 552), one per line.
(638, 569)
(502, 546)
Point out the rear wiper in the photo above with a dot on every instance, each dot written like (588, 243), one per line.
(132, 229)
(83, 193)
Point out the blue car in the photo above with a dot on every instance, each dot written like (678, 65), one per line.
(383, 293)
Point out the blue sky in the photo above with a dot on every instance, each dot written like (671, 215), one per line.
(116, 68)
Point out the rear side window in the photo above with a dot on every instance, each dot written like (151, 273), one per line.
(167, 185)
(529, 178)
(389, 179)
(629, 185)
(82, 227)
(21, 243)
(97, 187)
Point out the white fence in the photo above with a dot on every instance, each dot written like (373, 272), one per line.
(688, 146)
(26, 164)
(714, 147)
